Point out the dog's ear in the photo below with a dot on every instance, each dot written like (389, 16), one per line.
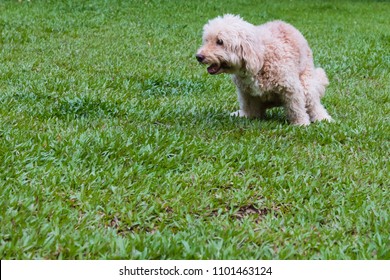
(251, 57)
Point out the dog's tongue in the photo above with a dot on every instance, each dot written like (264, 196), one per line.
(214, 68)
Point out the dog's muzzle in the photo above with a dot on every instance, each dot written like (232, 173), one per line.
(214, 68)
(200, 57)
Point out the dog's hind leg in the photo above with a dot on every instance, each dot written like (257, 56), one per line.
(314, 86)
(294, 105)
(316, 110)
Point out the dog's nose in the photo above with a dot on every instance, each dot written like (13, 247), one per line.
(200, 57)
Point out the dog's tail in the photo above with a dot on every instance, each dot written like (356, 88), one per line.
(323, 80)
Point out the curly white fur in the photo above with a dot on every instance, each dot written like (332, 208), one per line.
(271, 65)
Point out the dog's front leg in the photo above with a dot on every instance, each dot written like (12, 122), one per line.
(250, 106)
(250, 102)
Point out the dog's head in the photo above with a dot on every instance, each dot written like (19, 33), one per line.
(229, 46)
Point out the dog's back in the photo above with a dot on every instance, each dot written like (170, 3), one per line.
(291, 43)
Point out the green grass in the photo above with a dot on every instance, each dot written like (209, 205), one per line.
(116, 144)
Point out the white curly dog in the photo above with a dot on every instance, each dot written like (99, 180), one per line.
(271, 65)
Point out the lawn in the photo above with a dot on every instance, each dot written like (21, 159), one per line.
(116, 144)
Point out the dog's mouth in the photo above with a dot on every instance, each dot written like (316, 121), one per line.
(215, 68)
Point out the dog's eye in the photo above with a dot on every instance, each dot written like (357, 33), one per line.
(219, 42)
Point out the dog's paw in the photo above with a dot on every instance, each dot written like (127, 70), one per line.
(324, 117)
(301, 122)
(327, 118)
(238, 113)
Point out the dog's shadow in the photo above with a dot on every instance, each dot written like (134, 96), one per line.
(275, 114)
(222, 118)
